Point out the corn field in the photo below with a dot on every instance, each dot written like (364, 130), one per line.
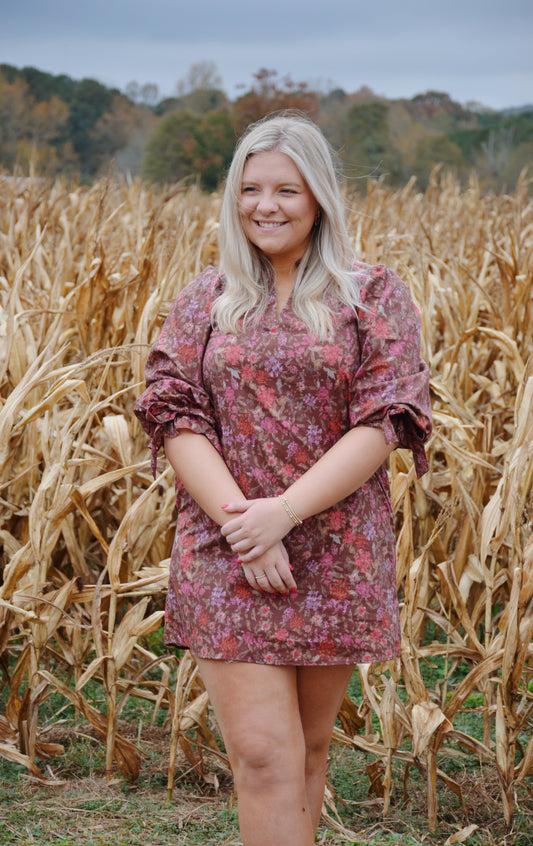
(86, 277)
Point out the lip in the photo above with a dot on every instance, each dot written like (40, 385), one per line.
(269, 224)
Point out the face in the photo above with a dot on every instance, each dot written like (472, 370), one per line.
(277, 207)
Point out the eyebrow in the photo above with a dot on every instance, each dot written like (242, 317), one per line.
(287, 184)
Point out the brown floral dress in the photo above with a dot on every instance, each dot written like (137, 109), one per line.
(272, 399)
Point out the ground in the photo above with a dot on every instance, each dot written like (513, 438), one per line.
(83, 808)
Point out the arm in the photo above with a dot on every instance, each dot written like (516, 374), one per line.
(204, 474)
(344, 468)
(389, 406)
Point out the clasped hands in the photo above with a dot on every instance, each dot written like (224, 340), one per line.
(255, 533)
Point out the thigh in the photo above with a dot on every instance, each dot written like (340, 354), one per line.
(255, 704)
(320, 694)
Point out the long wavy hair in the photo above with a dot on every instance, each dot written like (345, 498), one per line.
(326, 263)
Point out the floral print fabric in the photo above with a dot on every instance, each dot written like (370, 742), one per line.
(272, 399)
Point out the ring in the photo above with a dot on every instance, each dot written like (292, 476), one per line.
(263, 576)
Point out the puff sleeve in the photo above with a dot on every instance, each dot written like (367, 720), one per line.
(175, 397)
(390, 387)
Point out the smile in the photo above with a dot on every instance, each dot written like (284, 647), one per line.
(263, 224)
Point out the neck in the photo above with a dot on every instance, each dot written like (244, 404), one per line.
(285, 274)
(283, 284)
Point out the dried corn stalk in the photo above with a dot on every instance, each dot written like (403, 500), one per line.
(86, 277)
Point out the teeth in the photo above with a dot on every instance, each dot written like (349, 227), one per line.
(269, 225)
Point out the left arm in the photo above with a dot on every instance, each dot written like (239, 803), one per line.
(344, 468)
(389, 406)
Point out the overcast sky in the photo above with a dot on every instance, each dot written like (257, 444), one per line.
(478, 50)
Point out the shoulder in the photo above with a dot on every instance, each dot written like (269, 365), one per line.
(191, 309)
(377, 284)
(195, 300)
(205, 287)
(383, 294)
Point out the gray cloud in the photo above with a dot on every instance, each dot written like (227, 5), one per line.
(474, 49)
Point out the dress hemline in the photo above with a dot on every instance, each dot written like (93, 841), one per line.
(337, 660)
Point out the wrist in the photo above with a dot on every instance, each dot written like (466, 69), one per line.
(295, 518)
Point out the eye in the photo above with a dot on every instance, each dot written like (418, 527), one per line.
(248, 189)
(288, 191)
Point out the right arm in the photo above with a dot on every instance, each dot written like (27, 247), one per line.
(175, 409)
(204, 474)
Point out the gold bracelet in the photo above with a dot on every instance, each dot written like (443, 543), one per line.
(292, 514)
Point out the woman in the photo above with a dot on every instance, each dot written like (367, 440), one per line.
(279, 385)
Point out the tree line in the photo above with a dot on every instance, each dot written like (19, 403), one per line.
(57, 125)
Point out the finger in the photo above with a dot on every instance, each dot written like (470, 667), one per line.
(271, 582)
(276, 582)
(284, 571)
(247, 554)
(232, 526)
(263, 583)
(288, 580)
(254, 584)
(258, 579)
(238, 507)
(237, 536)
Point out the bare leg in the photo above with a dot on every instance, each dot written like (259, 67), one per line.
(258, 711)
(320, 694)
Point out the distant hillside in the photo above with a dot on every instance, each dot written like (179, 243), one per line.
(517, 110)
(63, 126)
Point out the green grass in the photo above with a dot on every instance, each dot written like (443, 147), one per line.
(83, 809)
(95, 814)
(406, 823)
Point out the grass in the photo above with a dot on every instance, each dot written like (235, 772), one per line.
(406, 821)
(82, 807)
(95, 814)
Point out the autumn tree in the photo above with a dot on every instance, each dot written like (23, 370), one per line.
(438, 110)
(270, 94)
(147, 94)
(199, 91)
(32, 131)
(86, 101)
(120, 134)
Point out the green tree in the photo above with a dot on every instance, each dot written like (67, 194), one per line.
(88, 101)
(187, 144)
(367, 147)
(14, 110)
(435, 150)
(217, 145)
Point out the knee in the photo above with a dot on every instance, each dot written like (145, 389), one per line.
(262, 760)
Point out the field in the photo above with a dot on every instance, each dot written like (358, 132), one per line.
(96, 716)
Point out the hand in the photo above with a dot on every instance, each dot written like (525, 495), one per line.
(271, 572)
(258, 525)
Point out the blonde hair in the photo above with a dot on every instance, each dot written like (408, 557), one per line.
(329, 256)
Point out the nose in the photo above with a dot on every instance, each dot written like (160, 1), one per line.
(267, 203)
